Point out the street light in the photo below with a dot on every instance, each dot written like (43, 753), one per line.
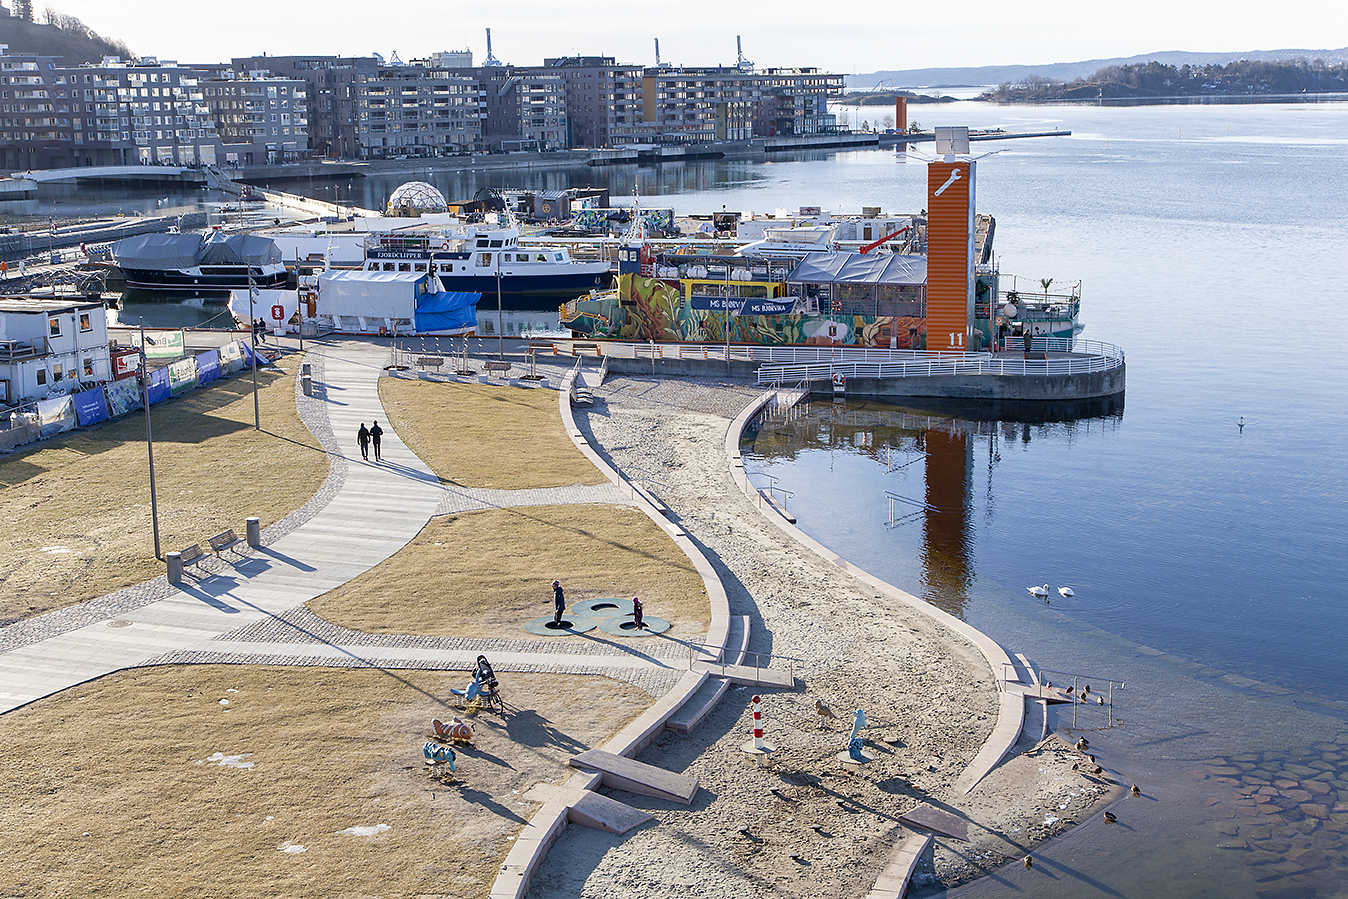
(252, 328)
(149, 436)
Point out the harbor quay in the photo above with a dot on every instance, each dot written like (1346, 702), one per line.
(633, 738)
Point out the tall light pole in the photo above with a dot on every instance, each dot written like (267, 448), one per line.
(252, 329)
(149, 436)
(500, 316)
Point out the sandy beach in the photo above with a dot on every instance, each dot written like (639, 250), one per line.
(800, 824)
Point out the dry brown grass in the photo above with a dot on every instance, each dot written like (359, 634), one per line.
(476, 435)
(88, 492)
(484, 573)
(331, 748)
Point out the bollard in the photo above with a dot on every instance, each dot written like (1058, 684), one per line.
(254, 531)
(307, 385)
(306, 369)
(175, 567)
(758, 747)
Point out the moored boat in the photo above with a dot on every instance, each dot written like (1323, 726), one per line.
(193, 262)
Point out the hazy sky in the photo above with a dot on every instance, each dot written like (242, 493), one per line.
(855, 37)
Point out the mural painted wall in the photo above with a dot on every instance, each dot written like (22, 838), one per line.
(652, 309)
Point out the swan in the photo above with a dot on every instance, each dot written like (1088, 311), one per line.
(1041, 592)
(1067, 591)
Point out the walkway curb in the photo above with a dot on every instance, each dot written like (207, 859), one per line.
(1011, 708)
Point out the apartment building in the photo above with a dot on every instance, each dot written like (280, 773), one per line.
(603, 101)
(525, 108)
(260, 118)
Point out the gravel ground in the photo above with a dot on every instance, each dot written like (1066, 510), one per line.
(800, 825)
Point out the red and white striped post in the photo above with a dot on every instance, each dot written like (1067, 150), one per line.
(758, 747)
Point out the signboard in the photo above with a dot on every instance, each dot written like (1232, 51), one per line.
(91, 406)
(950, 255)
(746, 305)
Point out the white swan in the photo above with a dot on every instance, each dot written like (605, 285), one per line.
(1040, 592)
(1066, 591)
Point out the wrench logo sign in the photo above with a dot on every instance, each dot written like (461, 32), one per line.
(954, 176)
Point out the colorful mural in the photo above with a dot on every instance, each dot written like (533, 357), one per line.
(654, 309)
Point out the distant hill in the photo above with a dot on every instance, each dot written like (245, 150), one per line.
(1067, 71)
(75, 42)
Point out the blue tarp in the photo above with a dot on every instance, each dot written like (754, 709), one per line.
(91, 406)
(446, 311)
(158, 388)
(248, 354)
(208, 367)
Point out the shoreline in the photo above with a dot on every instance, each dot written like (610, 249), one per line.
(807, 833)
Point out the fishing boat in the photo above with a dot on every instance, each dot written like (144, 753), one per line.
(196, 262)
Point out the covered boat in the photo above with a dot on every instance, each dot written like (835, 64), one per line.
(192, 262)
(364, 302)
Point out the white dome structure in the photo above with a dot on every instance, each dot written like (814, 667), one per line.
(415, 198)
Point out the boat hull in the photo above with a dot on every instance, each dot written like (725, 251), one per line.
(525, 292)
(192, 280)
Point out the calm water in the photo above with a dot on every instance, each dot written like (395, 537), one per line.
(1206, 561)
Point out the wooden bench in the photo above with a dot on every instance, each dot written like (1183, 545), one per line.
(431, 362)
(192, 554)
(497, 366)
(223, 541)
(1036, 354)
(580, 349)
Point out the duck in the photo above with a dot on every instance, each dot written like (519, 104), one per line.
(1135, 791)
(1066, 591)
(1029, 863)
(1083, 744)
(1040, 592)
(1109, 817)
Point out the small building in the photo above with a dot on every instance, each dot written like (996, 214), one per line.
(50, 347)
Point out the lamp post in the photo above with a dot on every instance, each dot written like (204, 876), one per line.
(252, 327)
(149, 436)
(500, 316)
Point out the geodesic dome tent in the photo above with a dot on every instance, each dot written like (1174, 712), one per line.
(415, 198)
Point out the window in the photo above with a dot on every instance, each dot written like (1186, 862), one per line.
(88, 367)
(41, 377)
(85, 323)
(57, 372)
(54, 325)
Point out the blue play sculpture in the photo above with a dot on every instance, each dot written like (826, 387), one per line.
(854, 741)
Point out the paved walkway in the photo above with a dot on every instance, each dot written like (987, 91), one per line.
(249, 611)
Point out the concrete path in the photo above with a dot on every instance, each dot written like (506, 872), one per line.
(365, 513)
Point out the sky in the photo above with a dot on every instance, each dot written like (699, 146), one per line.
(854, 38)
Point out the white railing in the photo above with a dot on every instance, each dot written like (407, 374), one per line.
(1079, 357)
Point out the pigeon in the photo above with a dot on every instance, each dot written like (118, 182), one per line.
(1109, 817)
(1066, 591)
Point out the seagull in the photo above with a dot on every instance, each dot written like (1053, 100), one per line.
(1040, 592)
(1066, 591)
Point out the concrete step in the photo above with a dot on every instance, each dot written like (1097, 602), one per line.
(748, 675)
(603, 813)
(637, 777)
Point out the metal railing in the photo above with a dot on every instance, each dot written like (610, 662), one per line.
(762, 661)
(1080, 357)
(1079, 690)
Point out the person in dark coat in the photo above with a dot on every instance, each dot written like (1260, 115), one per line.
(637, 613)
(375, 433)
(363, 438)
(558, 602)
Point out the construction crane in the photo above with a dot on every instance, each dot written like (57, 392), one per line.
(741, 63)
(490, 60)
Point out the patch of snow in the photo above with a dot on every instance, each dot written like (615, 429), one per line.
(231, 761)
(1051, 819)
(292, 848)
(224, 702)
(368, 830)
(231, 690)
(55, 551)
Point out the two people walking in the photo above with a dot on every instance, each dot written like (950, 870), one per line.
(365, 436)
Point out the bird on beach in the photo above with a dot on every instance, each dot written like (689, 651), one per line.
(1109, 817)
(1099, 700)
(1083, 744)
(1040, 592)
(1069, 690)
(1135, 791)
(1097, 770)
(1067, 591)
(1029, 863)
(824, 712)
(1087, 691)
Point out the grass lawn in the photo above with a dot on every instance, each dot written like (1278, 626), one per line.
(482, 574)
(77, 507)
(101, 799)
(477, 435)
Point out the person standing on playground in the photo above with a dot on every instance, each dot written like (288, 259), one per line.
(558, 602)
(375, 433)
(637, 613)
(363, 438)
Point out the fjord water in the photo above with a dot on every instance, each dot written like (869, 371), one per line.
(1207, 561)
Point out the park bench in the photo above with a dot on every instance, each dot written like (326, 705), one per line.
(192, 554)
(580, 349)
(502, 367)
(223, 541)
(431, 362)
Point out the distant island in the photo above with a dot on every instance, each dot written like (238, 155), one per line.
(1158, 81)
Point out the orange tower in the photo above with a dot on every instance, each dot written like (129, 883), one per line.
(950, 244)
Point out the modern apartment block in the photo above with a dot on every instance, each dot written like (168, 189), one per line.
(525, 108)
(113, 113)
(331, 91)
(604, 105)
(259, 117)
